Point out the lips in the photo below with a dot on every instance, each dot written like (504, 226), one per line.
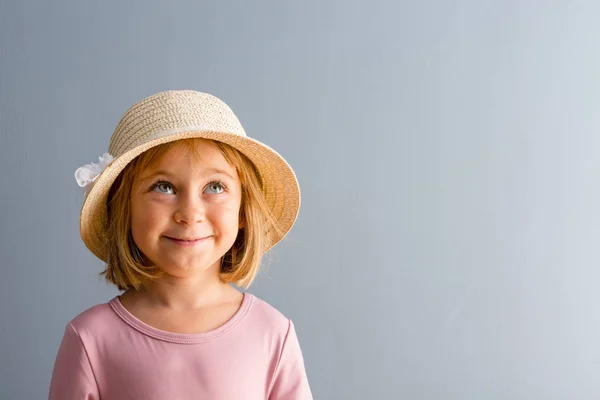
(187, 239)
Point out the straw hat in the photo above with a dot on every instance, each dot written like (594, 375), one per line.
(166, 117)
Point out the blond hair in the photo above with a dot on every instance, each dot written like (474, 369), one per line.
(126, 267)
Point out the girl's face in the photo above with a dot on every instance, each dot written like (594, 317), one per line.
(185, 210)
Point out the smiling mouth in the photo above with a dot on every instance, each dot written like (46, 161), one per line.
(187, 240)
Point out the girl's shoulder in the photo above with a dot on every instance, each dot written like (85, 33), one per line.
(100, 317)
(268, 316)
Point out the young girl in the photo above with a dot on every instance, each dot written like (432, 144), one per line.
(183, 206)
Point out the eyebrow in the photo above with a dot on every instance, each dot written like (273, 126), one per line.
(208, 171)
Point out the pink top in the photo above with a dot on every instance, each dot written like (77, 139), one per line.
(107, 353)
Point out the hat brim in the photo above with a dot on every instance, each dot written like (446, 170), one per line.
(280, 185)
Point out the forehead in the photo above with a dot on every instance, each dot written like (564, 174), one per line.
(190, 156)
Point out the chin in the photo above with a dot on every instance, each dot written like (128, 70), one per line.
(183, 269)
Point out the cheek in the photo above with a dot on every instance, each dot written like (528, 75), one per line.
(145, 219)
(227, 217)
(137, 225)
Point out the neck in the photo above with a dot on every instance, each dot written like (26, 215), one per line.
(184, 294)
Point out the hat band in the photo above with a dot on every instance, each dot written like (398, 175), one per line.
(172, 131)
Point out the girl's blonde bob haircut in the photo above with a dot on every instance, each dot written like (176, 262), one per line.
(126, 266)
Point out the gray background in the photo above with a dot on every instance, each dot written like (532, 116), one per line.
(447, 245)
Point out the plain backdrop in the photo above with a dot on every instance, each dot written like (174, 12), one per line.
(447, 151)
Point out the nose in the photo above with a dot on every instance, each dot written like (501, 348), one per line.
(191, 209)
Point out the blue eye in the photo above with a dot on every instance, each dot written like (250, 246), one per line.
(216, 187)
(163, 187)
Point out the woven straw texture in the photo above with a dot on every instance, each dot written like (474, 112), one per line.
(180, 114)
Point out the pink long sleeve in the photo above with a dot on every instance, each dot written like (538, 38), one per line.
(72, 378)
(290, 382)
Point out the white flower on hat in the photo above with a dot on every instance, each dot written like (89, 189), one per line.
(87, 174)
